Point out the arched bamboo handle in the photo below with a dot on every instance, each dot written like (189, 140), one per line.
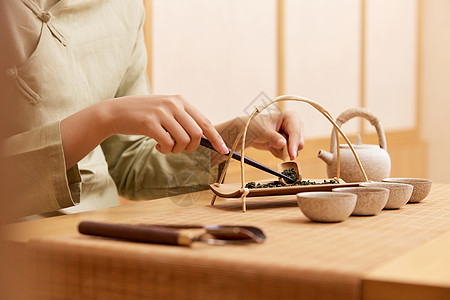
(317, 106)
(359, 112)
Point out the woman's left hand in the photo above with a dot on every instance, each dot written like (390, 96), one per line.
(268, 132)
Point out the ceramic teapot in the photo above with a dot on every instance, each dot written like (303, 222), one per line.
(374, 158)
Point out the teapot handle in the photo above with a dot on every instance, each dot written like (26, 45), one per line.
(359, 112)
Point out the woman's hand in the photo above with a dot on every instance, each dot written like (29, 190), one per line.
(174, 123)
(267, 132)
(169, 119)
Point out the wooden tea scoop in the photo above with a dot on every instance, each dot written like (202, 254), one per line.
(288, 164)
(205, 143)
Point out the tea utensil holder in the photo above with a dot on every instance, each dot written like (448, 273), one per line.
(243, 133)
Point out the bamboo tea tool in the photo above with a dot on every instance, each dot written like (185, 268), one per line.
(174, 235)
(206, 143)
(287, 163)
(243, 191)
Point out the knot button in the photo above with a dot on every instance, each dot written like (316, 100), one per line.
(12, 72)
(45, 16)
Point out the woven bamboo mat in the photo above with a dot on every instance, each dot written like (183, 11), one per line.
(299, 260)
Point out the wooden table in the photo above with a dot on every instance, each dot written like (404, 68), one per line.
(421, 271)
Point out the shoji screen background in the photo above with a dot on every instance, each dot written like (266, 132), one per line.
(218, 54)
(322, 58)
(225, 56)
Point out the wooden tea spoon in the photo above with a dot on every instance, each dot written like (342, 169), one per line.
(288, 163)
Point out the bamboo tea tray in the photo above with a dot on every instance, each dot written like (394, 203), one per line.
(234, 190)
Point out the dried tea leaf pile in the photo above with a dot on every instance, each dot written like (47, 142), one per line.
(292, 174)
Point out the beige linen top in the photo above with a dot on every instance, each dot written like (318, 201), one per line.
(69, 55)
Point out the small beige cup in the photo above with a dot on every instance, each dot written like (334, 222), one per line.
(326, 206)
(422, 187)
(399, 193)
(370, 200)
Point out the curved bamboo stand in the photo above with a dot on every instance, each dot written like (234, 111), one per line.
(261, 108)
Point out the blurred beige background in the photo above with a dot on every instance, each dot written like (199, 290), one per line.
(392, 57)
(435, 83)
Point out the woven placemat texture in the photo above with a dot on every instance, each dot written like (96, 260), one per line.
(299, 260)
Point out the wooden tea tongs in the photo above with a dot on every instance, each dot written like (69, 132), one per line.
(205, 143)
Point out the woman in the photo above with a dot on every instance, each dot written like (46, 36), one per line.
(86, 126)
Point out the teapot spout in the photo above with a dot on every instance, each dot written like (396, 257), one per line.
(327, 157)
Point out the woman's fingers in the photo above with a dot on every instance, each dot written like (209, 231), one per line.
(277, 130)
(209, 131)
(293, 127)
(179, 136)
(185, 126)
(164, 139)
(278, 153)
(296, 142)
(275, 139)
(192, 130)
(184, 131)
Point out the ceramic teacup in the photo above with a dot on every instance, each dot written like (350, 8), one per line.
(422, 187)
(399, 193)
(370, 200)
(326, 206)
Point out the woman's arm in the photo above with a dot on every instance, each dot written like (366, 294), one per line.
(173, 122)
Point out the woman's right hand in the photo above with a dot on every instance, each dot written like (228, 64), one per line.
(169, 119)
(172, 121)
